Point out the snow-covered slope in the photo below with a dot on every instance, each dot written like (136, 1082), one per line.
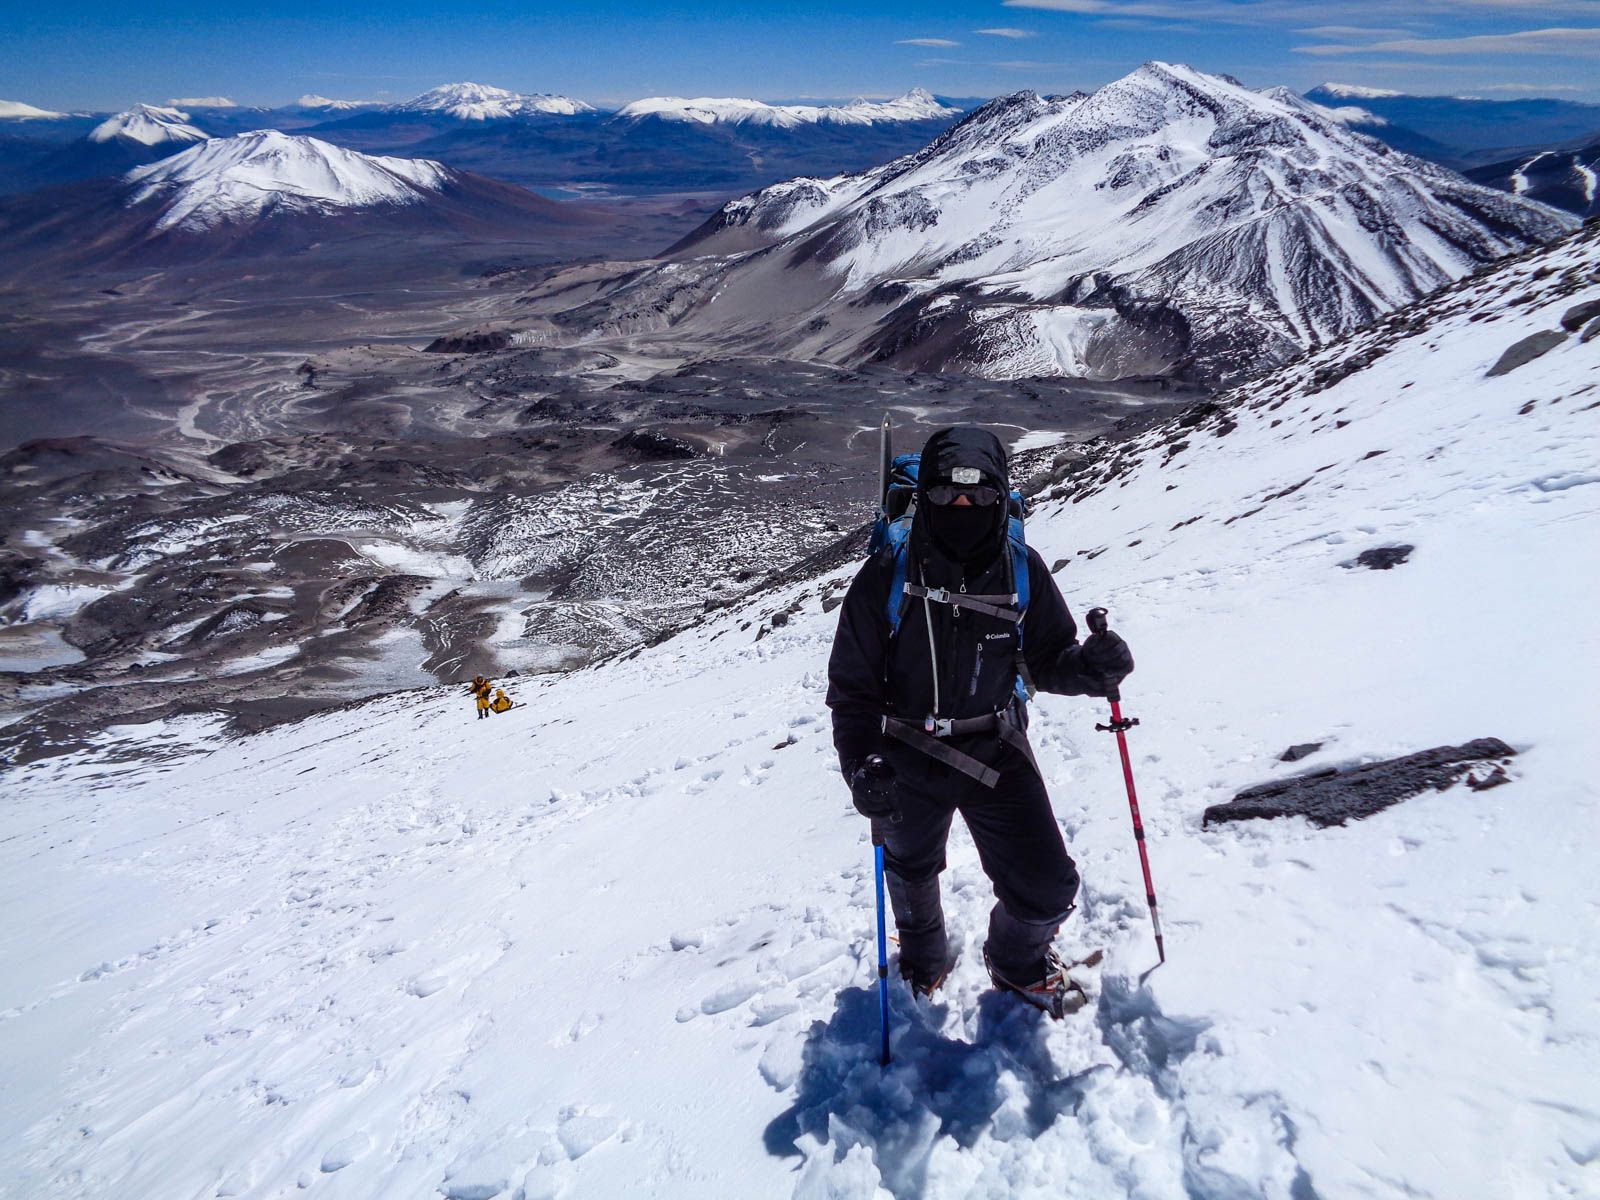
(1566, 177)
(15, 110)
(475, 102)
(241, 179)
(616, 941)
(1171, 220)
(915, 105)
(148, 125)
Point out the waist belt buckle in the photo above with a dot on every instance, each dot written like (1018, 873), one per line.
(938, 726)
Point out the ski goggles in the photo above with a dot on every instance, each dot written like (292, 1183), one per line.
(948, 493)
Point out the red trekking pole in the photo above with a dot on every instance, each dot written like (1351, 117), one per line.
(1119, 726)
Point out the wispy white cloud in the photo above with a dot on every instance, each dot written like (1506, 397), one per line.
(1105, 8)
(1536, 87)
(1308, 12)
(1579, 42)
(1355, 31)
(935, 42)
(1007, 33)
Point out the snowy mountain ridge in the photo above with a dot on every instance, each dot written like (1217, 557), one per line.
(15, 110)
(1172, 217)
(915, 105)
(619, 937)
(476, 102)
(148, 125)
(312, 100)
(239, 179)
(1351, 91)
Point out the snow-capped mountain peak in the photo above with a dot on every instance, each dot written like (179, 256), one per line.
(311, 100)
(238, 179)
(148, 125)
(915, 105)
(478, 102)
(1170, 218)
(1351, 91)
(15, 110)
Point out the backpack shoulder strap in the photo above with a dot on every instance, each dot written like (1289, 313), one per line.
(898, 537)
(1020, 583)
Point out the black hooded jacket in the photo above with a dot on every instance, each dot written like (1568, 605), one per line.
(871, 674)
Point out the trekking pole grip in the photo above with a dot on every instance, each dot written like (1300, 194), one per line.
(1096, 617)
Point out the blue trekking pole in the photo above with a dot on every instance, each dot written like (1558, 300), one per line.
(883, 944)
(885, 458)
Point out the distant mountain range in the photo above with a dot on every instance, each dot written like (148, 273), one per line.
(1173, 222)
(546, 141)
(915, 105)
(268, 191)
(567, 148)
(1461, 131)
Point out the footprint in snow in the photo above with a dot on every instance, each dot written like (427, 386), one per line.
(705, 781)
(424, 986)
(344, 1152)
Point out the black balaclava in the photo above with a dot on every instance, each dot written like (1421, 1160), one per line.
(969, 535)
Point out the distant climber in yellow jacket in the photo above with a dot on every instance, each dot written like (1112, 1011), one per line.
(480, 688)
(501, 701)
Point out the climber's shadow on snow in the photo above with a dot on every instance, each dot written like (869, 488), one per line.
(935, 1087)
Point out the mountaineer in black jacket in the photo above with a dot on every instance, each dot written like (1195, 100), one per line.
(927, 720)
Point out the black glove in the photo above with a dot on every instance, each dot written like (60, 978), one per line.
(1106, 655)
(872, 789)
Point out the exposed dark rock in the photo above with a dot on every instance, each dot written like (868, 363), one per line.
(1493, 779)
(469, 343)
(16, 572)
(1529, 348)
(1575, 317)
(240, 458)
(1334, 796)
(1590, 331)
(1381, 558)
(389, 601)
(1300, 750)
(642, 443)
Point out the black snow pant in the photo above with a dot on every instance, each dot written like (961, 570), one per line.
(1019, 845)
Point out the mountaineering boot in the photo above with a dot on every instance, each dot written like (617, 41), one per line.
(1020, 960)
(1053, 992)
(923, 982)
(919, 920)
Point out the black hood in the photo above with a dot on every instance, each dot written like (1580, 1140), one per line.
(961, 446)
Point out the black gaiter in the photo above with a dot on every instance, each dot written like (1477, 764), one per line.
(965, 533)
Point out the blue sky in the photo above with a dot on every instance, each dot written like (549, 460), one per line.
(105, 56)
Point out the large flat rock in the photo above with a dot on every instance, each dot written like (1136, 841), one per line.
(1333, 795)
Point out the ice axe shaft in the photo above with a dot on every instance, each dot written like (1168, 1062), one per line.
(1119, 726)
